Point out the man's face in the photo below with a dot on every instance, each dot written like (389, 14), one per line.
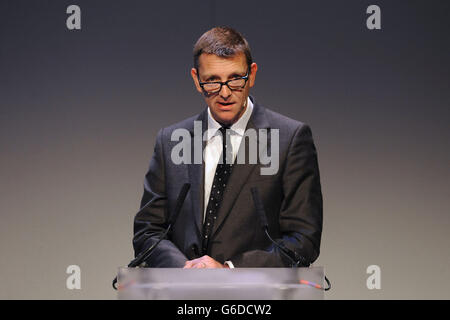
(226, 106)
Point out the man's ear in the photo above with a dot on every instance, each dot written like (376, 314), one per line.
(195, 78)
(252, 77)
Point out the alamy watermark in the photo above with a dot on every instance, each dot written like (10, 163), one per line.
(258, 148)
(373, 22)
(73, 281)
(73, 22)
(374, 280)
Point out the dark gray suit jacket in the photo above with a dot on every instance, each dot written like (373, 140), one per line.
(292, 199)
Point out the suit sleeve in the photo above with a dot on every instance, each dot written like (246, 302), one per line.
(300, 216)
(150, 223)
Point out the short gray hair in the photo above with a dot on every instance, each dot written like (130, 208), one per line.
(223, 42)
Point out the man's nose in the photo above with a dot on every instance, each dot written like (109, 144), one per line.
(225, 92)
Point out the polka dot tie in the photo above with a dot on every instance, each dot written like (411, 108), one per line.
(221, 176)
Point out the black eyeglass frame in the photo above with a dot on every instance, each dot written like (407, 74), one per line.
(223, 83)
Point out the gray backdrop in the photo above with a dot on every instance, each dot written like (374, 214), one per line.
(80, 111)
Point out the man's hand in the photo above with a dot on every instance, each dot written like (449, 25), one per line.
(203, 262)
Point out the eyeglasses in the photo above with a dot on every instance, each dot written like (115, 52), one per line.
(232, 84)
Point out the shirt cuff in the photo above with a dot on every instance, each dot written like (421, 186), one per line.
(230, 264)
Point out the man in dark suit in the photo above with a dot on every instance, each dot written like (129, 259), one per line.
(218, 226)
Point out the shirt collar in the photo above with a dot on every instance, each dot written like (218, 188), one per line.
(237, 127)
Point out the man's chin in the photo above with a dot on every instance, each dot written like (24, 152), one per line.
(224, 116)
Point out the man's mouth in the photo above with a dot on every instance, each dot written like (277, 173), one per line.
(225, 104)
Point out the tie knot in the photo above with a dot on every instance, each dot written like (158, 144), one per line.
(223, 129)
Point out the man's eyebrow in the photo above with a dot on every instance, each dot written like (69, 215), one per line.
(212, 77)
(237, 74)
(233, 75)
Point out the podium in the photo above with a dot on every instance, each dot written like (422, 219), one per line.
(220, 284)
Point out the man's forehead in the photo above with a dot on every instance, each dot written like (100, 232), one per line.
(210, 64)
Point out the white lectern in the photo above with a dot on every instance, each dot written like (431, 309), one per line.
(220, 284)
